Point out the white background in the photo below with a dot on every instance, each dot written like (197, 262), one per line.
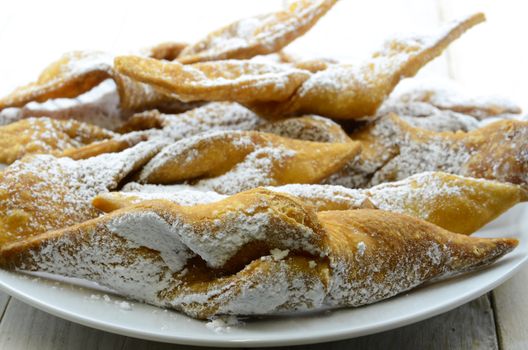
(491, 59)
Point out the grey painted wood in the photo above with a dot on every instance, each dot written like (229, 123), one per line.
(4, 300)
(26, 328)
(511, 310)
(470, 326)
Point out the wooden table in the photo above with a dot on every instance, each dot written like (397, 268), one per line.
(33, 33)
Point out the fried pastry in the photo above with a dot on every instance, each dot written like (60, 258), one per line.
(99, 106)
(254, 253)
(229, 80)
(73, 74)
(45, 135)
(116, 144)
(232, 161)
(217, 116)
(214, 116)
(393, 150)
(340, 91)
(169, 50)
(258, 35)
(78, 72)
(355, 92)
(455, 203)
(308, 127)
(426, 116)
(41, 192)
(480, 107)
(220, 155)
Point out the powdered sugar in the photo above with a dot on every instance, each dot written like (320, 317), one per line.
(257, 35)
(262, 157)
(223, 324)
(309, 128)
(449, 96)
(213, 116)
(99, 106)
(57, 192)
(254, 171)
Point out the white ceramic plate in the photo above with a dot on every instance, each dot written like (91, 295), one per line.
(102, 310)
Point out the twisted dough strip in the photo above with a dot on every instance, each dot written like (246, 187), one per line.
(99, 106)
(212, 259)
(232, 161)
(351, 92)
(212, 116)
(217, 116)
(480, 107)
(455, 203)
(340, 91)
(308, 128)
(45, 135)
(446, 108)
(393, 150)
(259, 35)
(41, 192)
(77, 72)
(230, 80)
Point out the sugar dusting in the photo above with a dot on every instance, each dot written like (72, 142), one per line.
(213, 116)
(266, 31)
(99, 106)
(56, 192)
(256, 169)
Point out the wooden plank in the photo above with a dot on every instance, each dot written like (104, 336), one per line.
(24, 327)
(496, 73)
(511, 311)
(4, 300)
(27, 328)
(470, 326)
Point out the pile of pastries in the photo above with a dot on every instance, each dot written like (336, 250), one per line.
(226, 177)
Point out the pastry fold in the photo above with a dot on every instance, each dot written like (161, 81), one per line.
(42, 192)
(230, 80)
(258, 252)
(339, 91)
(45, 135)
(258, 35)
(233, 161)
(78, 72)
(393, 150)
(455, 203)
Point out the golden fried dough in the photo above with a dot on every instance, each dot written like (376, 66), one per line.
(455, 203)
(261, 246)
(354, 92)
(376, 254)
(169, 50)
(74, 73)
(258, 35)
(233, 161)
(480, 107)
(42, 192)
(116, 144)
(308, 127)
(77, 72)
(45, 135)
(230, 80)
(214, 116)
(340, 91)
(393, 150)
